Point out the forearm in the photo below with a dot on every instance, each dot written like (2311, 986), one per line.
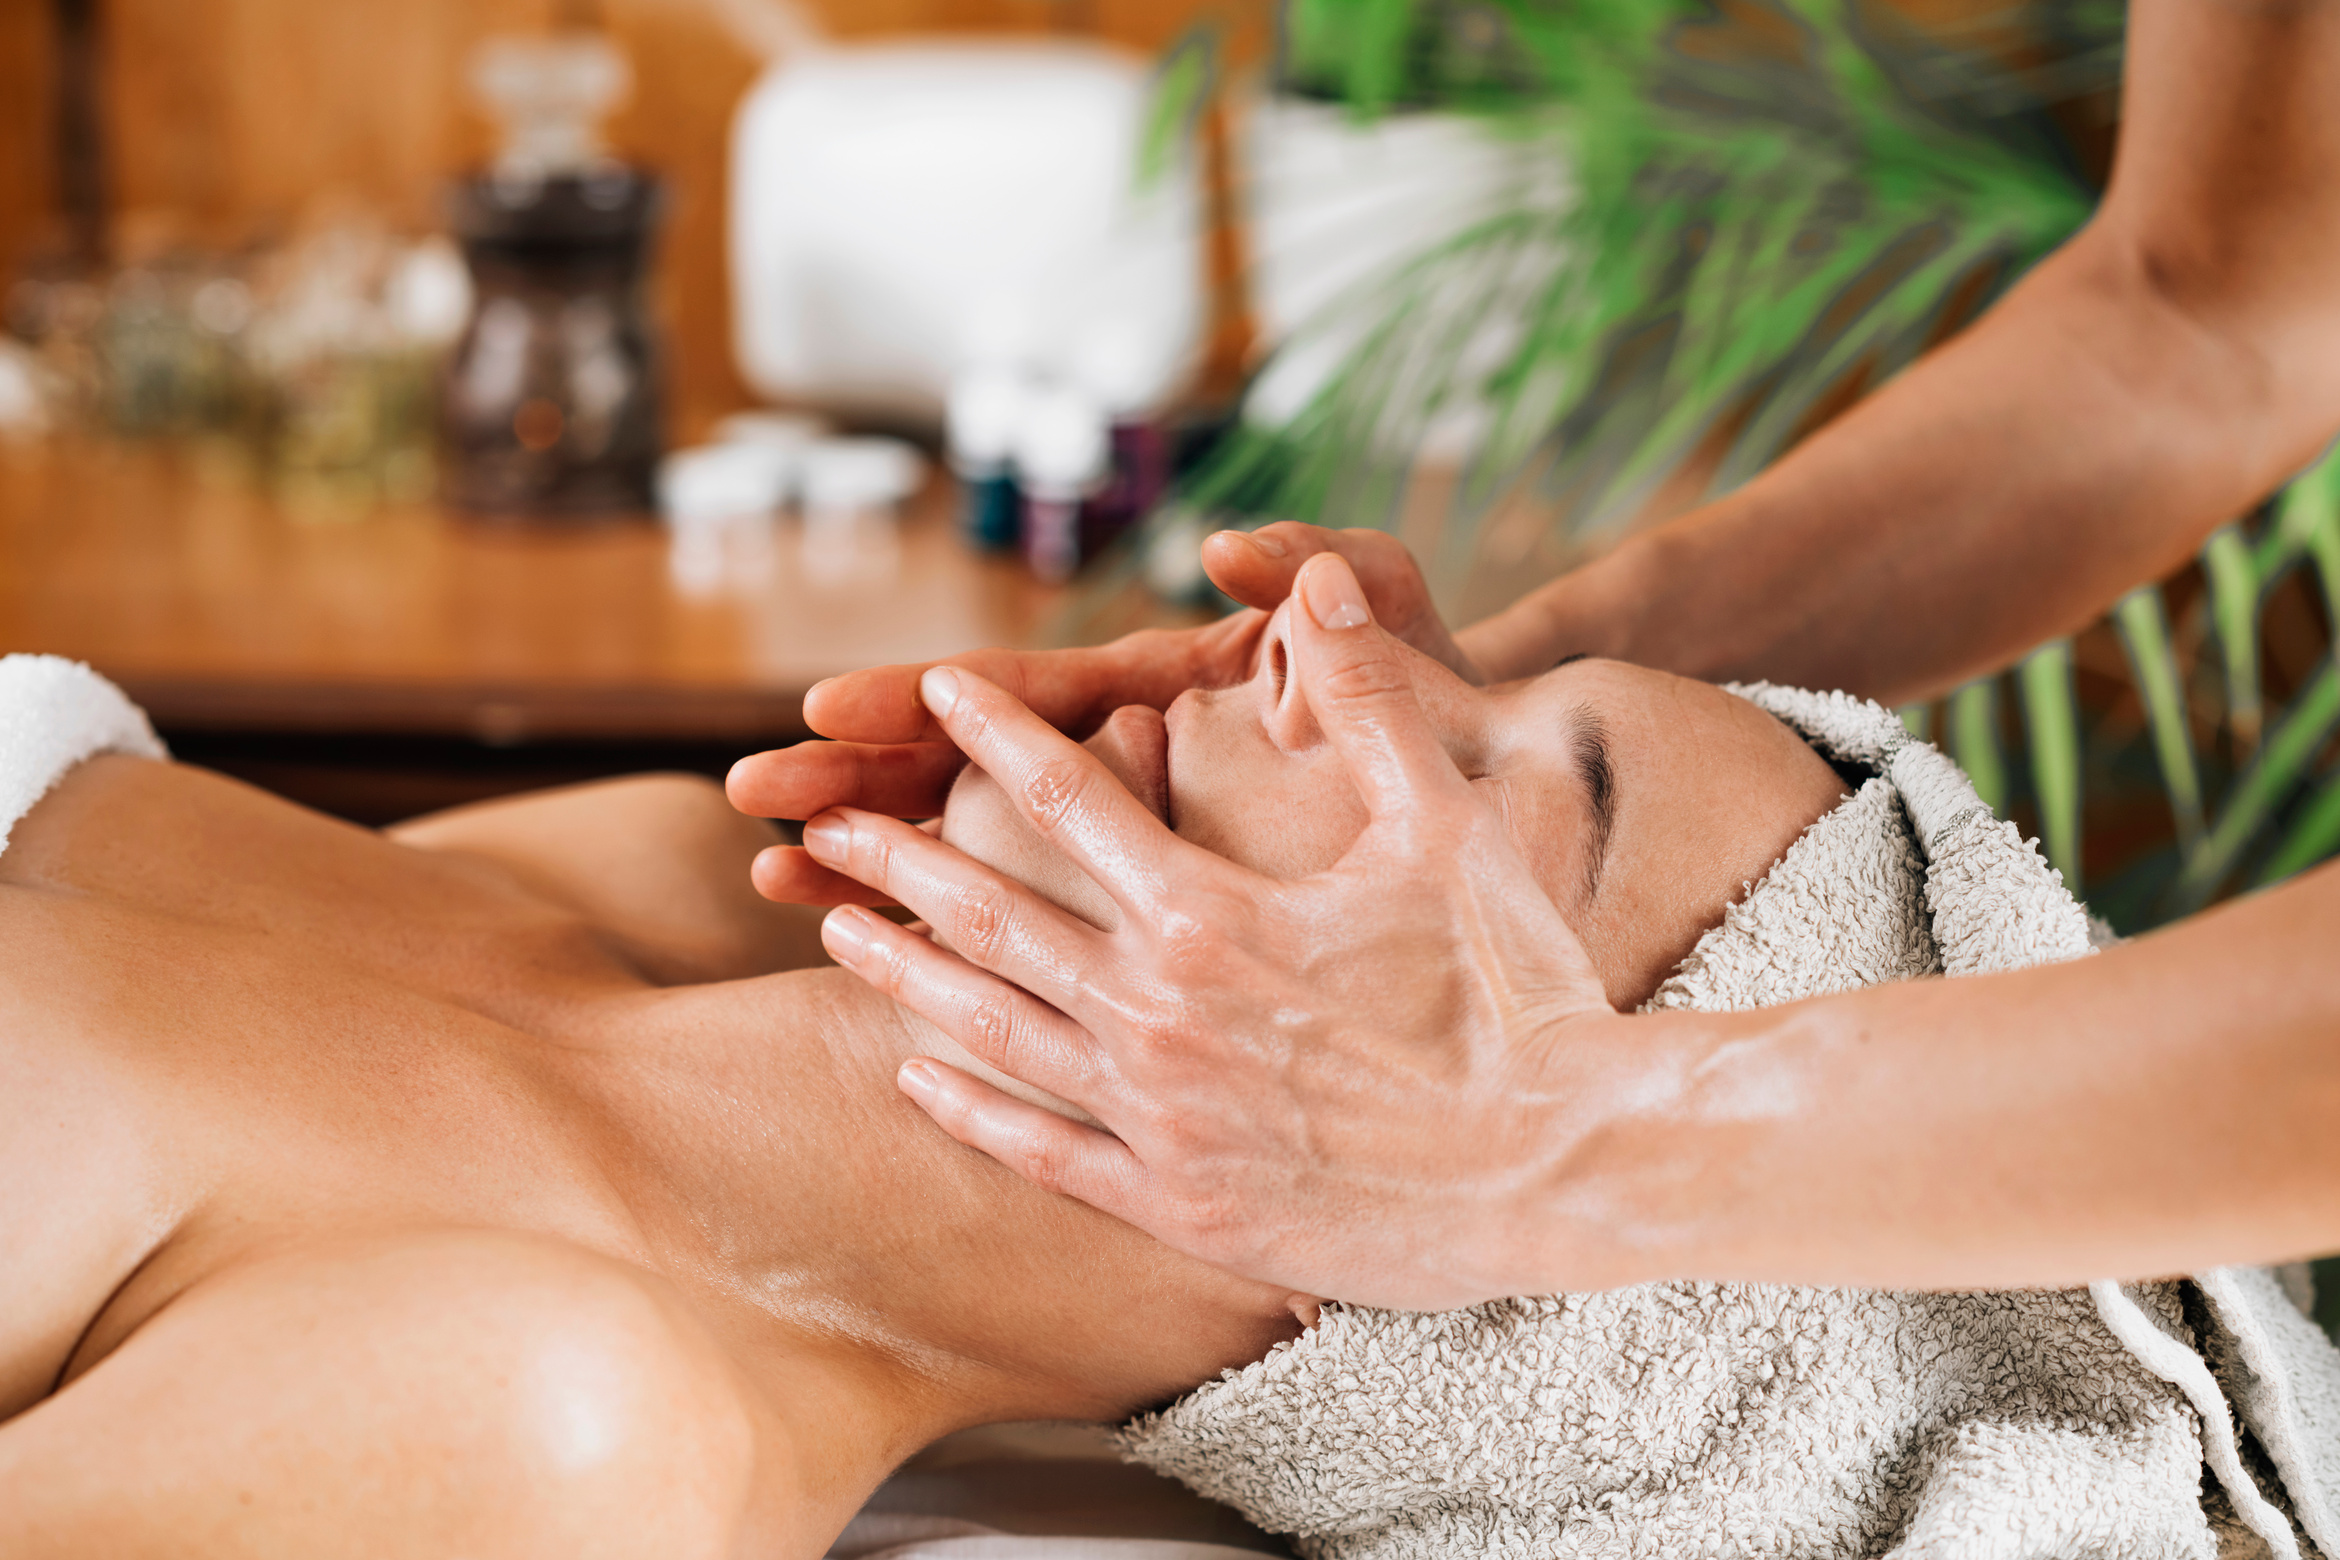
(2167, 1106)
(2164, 371)
(2082, 440)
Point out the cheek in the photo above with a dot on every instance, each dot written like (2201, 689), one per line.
(1546, 825)
(1282, 815)
(980, 820)
(1547, 828)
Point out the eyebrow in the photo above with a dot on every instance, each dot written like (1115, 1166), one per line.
(1588, 747)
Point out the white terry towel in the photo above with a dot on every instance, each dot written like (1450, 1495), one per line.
(53, 714)
(1694, 1419)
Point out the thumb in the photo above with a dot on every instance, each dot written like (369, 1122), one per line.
(1258, 568)
(1359, 684)
(1361, 690)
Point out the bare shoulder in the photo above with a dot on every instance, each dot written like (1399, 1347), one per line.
(660, 861)
(428, 1394)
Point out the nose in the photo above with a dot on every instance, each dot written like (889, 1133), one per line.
(1283, 712)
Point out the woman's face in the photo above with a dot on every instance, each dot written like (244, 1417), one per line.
(1644, 803)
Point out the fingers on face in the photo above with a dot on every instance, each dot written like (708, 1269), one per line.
(999, 1025)
(1155, 665)
(1361, 691)
(1044, 1148)
(1399, 596)
(990, 920)
(881, 704)
(1067, 793)
(906, 780)
(875, 704)
(1256, 567)
(1387, 571)
(788, 875)
(1264, 562)
(1075, 689)
(1259, 568)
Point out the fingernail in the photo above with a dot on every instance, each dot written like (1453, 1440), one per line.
(916, 1079)
(830, 840)
(844, 935)
(1332, 594)
(939, 690)
(1266, 544)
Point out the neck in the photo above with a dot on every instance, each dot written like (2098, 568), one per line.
(772, 1156)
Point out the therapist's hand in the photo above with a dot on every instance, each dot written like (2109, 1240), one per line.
(889, 755)
(1344, 1084)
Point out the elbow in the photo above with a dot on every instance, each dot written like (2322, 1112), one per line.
(2236, 331)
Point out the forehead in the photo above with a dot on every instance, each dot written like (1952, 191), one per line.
(1657, 710)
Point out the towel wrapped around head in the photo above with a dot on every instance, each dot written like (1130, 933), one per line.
(1692, 1419)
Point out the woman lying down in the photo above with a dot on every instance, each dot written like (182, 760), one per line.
(509, 1184)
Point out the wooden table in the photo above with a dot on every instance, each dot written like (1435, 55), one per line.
(260, 625)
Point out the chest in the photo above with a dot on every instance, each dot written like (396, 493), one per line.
(183, 1077)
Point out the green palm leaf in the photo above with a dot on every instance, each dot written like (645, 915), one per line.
(2234, 609)
(2270, 779)
(2307, 522)
(1735, 235)
(2143, 624)
(2313, 836)
(1974, 741)
(2052, 723)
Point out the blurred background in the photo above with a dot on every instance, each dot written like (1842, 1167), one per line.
(140, 128)
(364, 364)
(414, 402)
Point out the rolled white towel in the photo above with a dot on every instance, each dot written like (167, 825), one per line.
(53, 714)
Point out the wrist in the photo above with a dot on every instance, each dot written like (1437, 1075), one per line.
(1641, 1138)
(1566, 1162)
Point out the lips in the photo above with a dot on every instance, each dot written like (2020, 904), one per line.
(1135, 745)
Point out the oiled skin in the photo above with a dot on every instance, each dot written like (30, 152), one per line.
(504, 1187)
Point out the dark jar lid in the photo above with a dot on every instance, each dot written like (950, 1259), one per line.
(612, 206)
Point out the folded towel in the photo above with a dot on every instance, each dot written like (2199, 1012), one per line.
(1747, 1419)
(53, 714)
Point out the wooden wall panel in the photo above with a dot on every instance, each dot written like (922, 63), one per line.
(688, 75)
(228, 114)
(234, 119)
(28, 107)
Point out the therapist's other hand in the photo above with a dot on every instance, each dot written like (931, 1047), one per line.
(1074, 690)
(890, 755)
(1264, 1055)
